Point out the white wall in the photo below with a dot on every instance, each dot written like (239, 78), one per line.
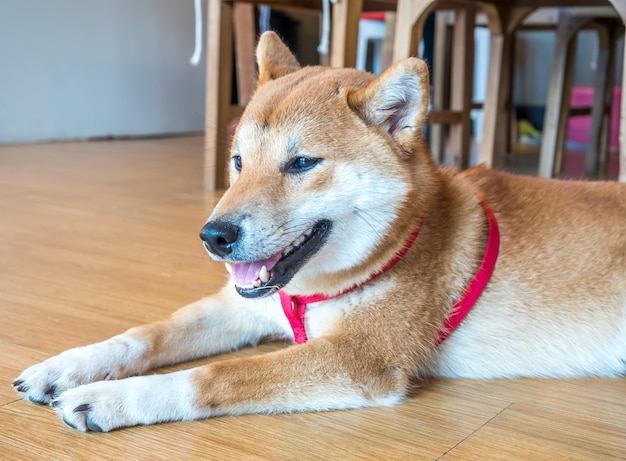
(84, 68)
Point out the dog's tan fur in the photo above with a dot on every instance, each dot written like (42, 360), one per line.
(555, 306)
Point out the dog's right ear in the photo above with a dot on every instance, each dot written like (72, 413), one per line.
(274, 58)
(397, 101)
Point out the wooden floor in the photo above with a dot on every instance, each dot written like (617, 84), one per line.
(98, 237)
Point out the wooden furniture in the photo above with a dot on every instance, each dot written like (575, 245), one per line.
(451, 66)
(504, 16)
(223, 17)
(453, 82)
(558, 109)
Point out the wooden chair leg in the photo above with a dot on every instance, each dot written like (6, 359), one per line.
(245, 40)
(564, 107)
(345, 30)
(410, 16)
(622, 127)
(559, 93)
(218, 91)
(620, 7)
(492, 145)
(498, 105)
(440, 95)
(595, 160)
(462, 85)
(390, 31)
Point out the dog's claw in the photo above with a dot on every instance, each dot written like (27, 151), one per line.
(81, 408)
(50, 391)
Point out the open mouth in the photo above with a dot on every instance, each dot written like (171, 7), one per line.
(262, 278)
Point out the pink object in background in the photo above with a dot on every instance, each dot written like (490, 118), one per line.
(373, 16)
(578, 127)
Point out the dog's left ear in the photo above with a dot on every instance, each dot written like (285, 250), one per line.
(274, 58)
(397, 101)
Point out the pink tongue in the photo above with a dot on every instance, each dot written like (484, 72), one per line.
(246, 273)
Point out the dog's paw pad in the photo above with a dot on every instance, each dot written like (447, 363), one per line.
(93, 426)
(38, 401)
(69, 423)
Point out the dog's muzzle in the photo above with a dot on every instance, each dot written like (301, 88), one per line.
(220, 237)
(262, 276)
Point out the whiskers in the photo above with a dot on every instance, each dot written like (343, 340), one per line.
(369, 218)
(269, 287)
(294, 227)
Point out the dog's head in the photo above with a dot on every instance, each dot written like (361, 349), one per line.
(324, 163)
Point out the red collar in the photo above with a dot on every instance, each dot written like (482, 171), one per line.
(294, 307)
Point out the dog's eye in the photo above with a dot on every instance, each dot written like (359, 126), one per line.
(237, 162)
(300, 164)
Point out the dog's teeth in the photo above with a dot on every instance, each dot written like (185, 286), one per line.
(229, 268)
(256, 283)
(297, 242)
(264, 275)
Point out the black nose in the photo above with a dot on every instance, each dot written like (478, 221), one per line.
(220, 237)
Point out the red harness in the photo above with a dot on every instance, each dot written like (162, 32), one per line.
(295, 306)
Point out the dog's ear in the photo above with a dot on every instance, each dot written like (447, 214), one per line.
(397, 101)
(274, 58)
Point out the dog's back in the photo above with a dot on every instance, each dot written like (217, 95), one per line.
(556, 304)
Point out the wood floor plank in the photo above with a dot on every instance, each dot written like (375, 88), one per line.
(439, 418)
(533, 432)
(579, 419)
(98, 237)
(11, 453)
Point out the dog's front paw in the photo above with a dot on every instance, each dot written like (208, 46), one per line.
(107, 405)
(98, 407)
(43, 382)
(110, 359)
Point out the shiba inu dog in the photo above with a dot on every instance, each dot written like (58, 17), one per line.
(342, 235)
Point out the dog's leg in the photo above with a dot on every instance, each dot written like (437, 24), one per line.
(319, 375)
(210, 326)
